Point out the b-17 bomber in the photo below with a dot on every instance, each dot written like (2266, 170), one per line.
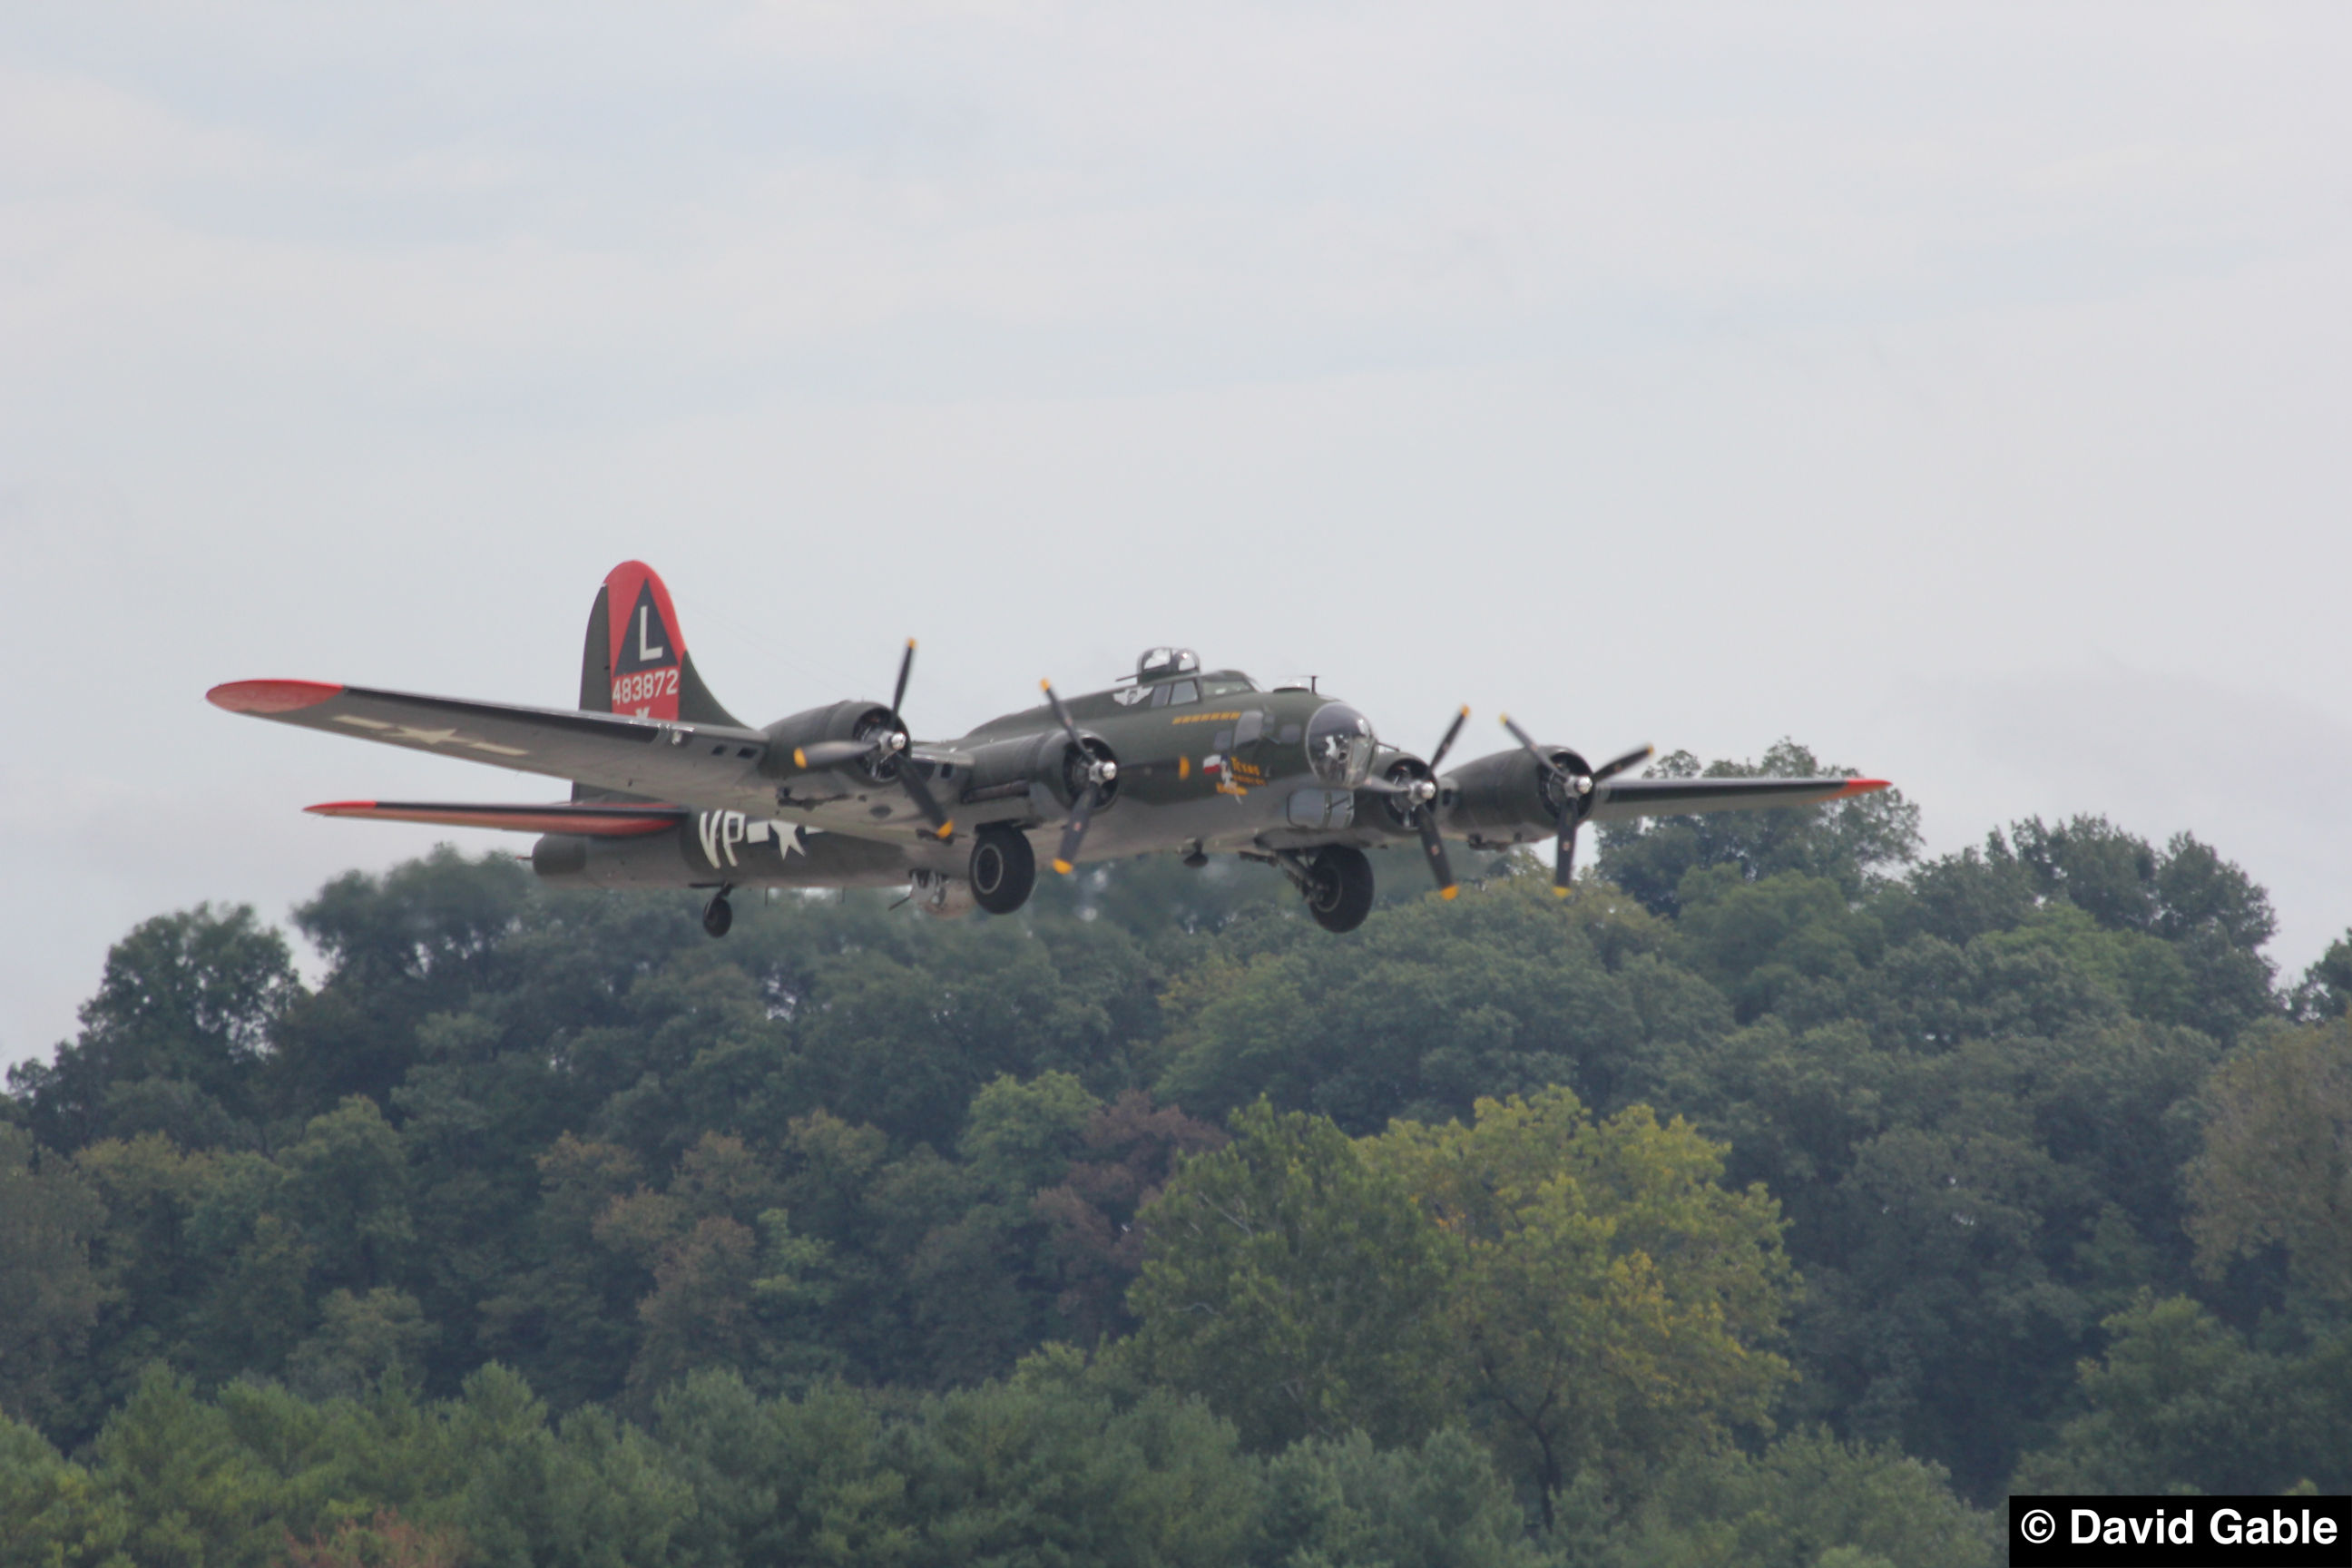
(671, 790)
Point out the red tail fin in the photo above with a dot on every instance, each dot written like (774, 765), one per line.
(635, 660)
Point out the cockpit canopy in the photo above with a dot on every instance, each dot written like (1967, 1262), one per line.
(1158, 663)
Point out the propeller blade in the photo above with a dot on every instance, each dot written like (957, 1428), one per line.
(1446, 745)
(905, 668)
(1073, 832)
(1062, 714)
(1082, 799)
(1615, 765)
(1529, 741)
(1376, 785)
(829, 753)
(1434, 847)
(910, 775)
(1564, 866)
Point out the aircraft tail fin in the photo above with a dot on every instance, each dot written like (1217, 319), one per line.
(635, 660)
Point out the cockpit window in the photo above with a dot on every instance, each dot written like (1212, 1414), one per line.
(1175, 693)
(1339, 744)
(1226, 686)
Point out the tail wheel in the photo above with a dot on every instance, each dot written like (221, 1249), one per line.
(1003, 870)
(1338, 887)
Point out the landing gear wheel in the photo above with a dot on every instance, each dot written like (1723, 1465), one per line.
(717, 915)
(1338, 887)
(1003, 870)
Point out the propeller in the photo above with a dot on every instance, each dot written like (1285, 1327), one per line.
(1575, 798)
(886, 748)
(1099, 772)
(1419, 796)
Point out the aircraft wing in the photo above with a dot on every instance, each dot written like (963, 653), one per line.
(589, 818)
(704, 765)
(1623, 798)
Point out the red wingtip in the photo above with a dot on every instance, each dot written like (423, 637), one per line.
(341, 808)
(270, 696)
(1862, 786)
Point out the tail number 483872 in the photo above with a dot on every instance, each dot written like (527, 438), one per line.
(645, 686)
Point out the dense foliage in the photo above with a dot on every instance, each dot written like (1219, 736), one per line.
(1779, 1199)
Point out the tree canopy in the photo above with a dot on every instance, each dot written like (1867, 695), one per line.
(1781, 1197)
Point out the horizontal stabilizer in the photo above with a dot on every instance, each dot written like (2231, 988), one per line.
(590, 819)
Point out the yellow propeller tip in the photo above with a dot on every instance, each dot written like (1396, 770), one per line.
(1502, 717)
(947, 830)
(1465, 711)
(1447, 893)
(1045, 686)
(1063, 867)
(800, 758)
(1559, 893)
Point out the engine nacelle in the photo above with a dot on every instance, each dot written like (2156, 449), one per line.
(1391, 814)
(1505, 798)
(1000, 766)
(836, 721)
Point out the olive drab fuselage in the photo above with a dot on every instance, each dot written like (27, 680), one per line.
(1206, 763)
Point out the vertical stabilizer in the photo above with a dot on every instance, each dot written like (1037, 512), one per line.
(636, 659)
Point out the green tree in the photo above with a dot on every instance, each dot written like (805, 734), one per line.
(361, 1339)
(1045, 1466)
(52, 1515)
(1018, 1137)
(1431, 1006)
(2327, 988)
(1295, 1285)
(347, 1187)
(173, 1039)
(591, 1492)
(48, 1291)
(1807, 1501)
(1763, 942)
(192, 1494)
(1611, 1304)
(2181, 1400)
(2278, 1164)
(1438, 1505)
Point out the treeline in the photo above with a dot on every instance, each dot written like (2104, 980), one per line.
(1779, 1199)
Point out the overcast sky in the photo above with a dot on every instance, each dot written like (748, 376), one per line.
(1963, 393)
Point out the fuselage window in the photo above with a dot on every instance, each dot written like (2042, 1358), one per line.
(1182, 691)
(1228, 687)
